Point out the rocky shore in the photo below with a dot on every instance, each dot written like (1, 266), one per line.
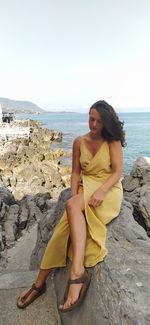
(34, 188)
(31, 177)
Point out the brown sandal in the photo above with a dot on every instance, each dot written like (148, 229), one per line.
(39, 291)
(85, 279)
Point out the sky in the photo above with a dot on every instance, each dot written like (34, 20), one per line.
(67, 54)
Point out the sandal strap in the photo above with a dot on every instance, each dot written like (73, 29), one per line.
(39, 290)
(84, 278)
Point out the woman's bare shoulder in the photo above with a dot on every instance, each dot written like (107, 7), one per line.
(78, 140)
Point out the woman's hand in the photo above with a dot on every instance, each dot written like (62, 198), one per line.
(97, 198)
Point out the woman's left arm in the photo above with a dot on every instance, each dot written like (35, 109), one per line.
(116, 158)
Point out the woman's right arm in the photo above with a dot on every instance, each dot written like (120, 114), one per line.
(76, 168)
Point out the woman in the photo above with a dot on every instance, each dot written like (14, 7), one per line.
(96, 200)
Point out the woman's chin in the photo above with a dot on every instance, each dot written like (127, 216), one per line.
(95, 132)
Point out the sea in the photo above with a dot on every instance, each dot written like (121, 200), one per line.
(72, 124)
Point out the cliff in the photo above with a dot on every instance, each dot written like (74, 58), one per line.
(19, 106)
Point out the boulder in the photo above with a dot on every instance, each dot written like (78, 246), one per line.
(137, 191)
(6, 196)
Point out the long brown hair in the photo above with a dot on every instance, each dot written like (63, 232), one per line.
(113, 127)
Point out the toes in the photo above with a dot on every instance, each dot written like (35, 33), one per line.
(66, 305)
(19, 302)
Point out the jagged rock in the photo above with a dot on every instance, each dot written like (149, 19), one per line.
(3, 210)
(29, 166)
(11, 224)
(141, 169)
(23, 217)
(1, 239)
(144, 204)
(131, 183)
(137, 190)
(6, 196)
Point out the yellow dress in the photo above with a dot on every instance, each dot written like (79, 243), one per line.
(95, 171)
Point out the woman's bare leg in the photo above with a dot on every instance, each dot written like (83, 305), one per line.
(77, 225)
(41, 278)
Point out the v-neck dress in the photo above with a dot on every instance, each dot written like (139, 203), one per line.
(94, 172)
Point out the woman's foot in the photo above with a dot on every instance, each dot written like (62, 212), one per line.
(73, 294)
(76, 290)
(28, 296)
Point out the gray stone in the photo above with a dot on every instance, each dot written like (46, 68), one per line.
(141, 169)
(130, 183)
(23, 216)
(144, 204)
(139, 196)
(1, 239)
(17, 279)
(6, 196)
(42, 311)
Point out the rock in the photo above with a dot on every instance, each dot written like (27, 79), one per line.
(1, 239)
(28, 166)
(144, 204)
(11, 225)
(3, 211)
(141, 169)
(130, 183)
(6, 196)
(23, 217)
(137, 191)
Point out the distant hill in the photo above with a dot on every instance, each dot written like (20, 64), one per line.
(19, 106)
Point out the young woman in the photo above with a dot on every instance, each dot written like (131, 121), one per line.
(96, 200)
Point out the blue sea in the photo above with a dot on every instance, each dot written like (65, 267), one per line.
(136, 125)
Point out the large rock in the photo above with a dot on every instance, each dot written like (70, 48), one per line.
(120, 288)
(16, 216)
(6, 196)
(137, 191)
(30, 166)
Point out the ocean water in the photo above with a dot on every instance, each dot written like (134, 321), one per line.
(136, 125)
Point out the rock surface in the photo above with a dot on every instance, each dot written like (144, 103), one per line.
(29, 166)
(137, 191)
(42, 312)
(120, 289)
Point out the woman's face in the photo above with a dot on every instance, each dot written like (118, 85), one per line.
(95, 122)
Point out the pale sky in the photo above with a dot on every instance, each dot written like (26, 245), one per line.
(70, 53)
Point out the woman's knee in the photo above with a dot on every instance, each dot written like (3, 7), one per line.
(74, 203)
(70, 204)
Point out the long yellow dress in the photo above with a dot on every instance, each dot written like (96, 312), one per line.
(95, 171)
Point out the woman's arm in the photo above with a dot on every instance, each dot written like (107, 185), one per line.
(116, 158)
(76, 168)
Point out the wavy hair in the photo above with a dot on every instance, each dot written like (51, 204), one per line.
(113, 127)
